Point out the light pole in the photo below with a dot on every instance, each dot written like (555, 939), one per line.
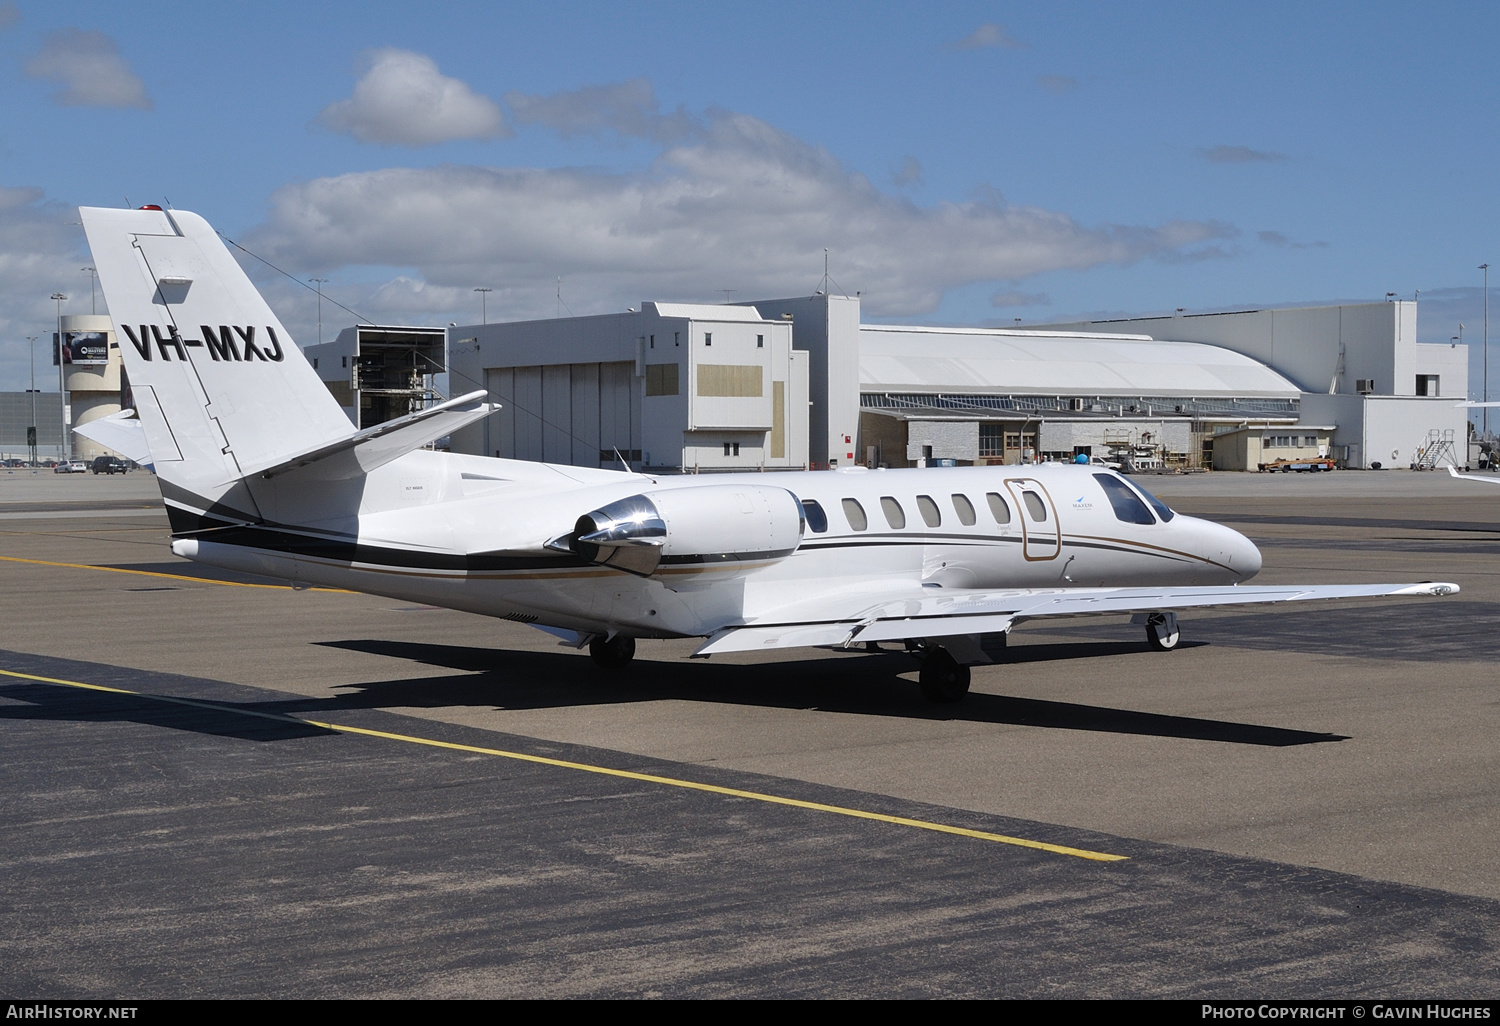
(484, 297)
(31, 431)
(93, 277)
(320, 283)
(1486, 269)
(62, 383)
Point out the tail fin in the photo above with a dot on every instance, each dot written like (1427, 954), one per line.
(221, 387)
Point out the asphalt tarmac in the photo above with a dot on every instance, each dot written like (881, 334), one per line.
(317, 793)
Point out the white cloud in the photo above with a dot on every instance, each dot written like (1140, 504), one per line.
(743, 205)
(626, 108)
(402, 99)
(91, 70)
(988, 35)
(40, 253)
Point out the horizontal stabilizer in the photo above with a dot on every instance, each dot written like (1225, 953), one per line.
(376, 446)
(121, 432)
(953, 613)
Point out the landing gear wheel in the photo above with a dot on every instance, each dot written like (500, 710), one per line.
(614, 653)
(941, 678)
(1162, 633)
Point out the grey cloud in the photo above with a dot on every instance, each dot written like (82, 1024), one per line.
(910, 172)
(1239, 155)
(90, 69)
(1057, 85)
(625, 108)
(988, 35)
(1006, 299)
(401, 99)
(742, 205)
(40, 253)
(1279, 239)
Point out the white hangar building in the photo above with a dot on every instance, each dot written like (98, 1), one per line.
(788, 383)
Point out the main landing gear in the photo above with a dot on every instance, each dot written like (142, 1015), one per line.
(613, 653)
(1162, 633)
(941, 678)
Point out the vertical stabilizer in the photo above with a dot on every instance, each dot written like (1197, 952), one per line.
(220, 385)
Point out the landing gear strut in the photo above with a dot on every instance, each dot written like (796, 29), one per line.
(941, 678)
(613, 653)
(1161, 631)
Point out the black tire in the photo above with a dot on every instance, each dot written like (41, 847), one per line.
(1162, 632)
(614, 653)
(941, 678)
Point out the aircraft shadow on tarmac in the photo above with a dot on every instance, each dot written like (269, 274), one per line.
(40, 701)
(862, 683)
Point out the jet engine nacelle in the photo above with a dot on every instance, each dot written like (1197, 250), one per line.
(706, 527)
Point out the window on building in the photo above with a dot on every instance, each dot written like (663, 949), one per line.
(816, 518)
(931, 516)
(855, 514)
(1427, 384)
(965, 510)
(991, 439)
(708, 338)
(315, 363)
(760, 341)
(661, 379)
(653, 341)
(731, 448)
(343, 361)
(677, 338)
(998, 509)
(894, 514)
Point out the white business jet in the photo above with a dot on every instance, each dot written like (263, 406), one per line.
(262, 472)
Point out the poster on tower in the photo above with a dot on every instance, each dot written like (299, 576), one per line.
(82, 347)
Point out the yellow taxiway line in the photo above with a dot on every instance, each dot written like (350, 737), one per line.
(154, 573)
(649, 778)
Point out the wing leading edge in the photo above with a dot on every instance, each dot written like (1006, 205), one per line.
(954, 613)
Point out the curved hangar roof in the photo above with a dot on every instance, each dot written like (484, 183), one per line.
(1003, 362)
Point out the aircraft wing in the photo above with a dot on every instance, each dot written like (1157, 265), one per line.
(1453, 472)
(946, 613)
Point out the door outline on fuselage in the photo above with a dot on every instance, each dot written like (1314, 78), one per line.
(1034, 547)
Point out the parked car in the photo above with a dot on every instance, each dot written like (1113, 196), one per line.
(109, 465)
(74, 467)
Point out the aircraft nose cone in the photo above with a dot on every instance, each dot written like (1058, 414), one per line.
(1244, 557)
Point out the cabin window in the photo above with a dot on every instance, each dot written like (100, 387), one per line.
(894, 514)
(965, 510)
(931, 516)
(855, 514)
(1128, 507)
(1036, 507)
(816, 518)
(998, 509)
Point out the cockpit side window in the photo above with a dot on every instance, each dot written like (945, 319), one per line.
(1162, 510)
(816, 518)
(855, 514)
(1127, 505)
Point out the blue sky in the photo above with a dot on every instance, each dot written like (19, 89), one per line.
(964, 163)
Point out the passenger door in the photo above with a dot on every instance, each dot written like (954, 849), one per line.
(1041, 534)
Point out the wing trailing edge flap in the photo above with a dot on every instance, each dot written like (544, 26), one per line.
(364, 451)
(967, 613)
